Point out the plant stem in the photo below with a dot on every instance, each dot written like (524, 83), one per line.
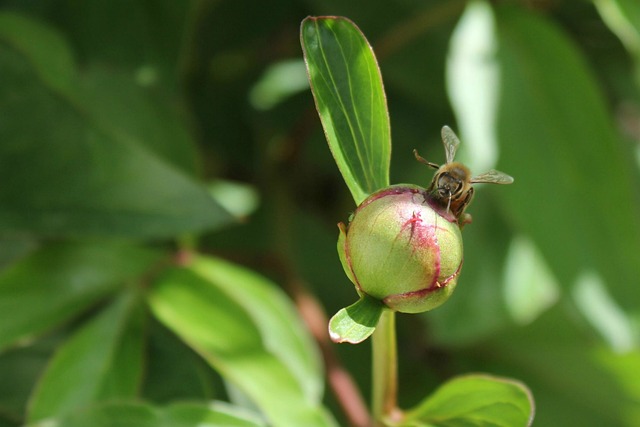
(385, 369)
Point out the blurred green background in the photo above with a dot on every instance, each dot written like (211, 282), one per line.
(137, 128)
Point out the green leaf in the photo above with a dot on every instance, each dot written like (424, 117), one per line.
(135, 414)
(475, 400)
(20, 369)
(472, 85)
(102, 361)
(576, 379)
(216, 414)
(281, 328)
(118, 102)
(107, 415)
(76, 169)
(46, 50)
(248, 331)
(558, 141)
(58, 281)
(357, 322)
(165, 380)
(557, 119)
(623, 18)
(150, 42)
(349, 95)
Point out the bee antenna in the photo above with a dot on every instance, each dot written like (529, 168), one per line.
(424, 161)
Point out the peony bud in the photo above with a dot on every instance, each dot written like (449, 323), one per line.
(402, 249)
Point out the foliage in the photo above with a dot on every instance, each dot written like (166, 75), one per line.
(154, 157)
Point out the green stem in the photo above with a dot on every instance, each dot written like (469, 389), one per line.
(385, 369)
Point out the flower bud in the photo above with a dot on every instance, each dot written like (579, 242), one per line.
(402, 249)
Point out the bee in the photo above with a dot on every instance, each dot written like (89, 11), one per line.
(451, 184)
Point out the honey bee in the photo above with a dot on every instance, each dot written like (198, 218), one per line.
(451, 184)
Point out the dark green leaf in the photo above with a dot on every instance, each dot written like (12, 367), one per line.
(245, 329)
(357, 322)
(20, 369)
(118, 102)
(45, 49)
(475, 400)
(58, 281)
(151, 41)
(69, 169)
(347, 87)
(576, 186)
(166, 380)
(102, 361)
(575, 379)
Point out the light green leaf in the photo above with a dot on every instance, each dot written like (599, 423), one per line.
(472, 85)
(76, 169)
(248, 331)
(58, 281)
(213, 415)
(475, 400)
(236, 197)
(623, 18)
(529, 286)
(136, 414)
(357, 322)
(280, 326)
(103, 360)
(123, 414)
(349, 95)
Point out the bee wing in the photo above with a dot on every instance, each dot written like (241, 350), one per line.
(451, 143)
(493, 176)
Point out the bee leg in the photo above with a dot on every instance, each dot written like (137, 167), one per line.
(464, 219)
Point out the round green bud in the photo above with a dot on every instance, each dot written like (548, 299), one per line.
(403, 249)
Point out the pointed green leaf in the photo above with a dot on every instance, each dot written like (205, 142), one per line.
(58, 281)
(349, 95)
(357, 322)
(76, 169)
(103, 360)
(475, 400)
(247, 330)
